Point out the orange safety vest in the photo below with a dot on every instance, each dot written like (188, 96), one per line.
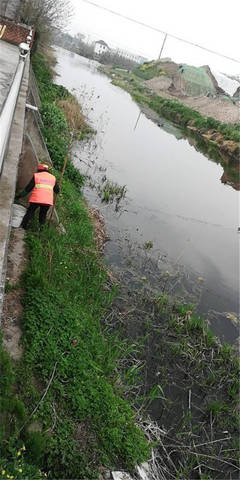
(43, 190)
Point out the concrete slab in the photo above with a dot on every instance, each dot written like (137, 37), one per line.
(9, 56)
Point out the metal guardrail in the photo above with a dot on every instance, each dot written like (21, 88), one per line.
(7, 113)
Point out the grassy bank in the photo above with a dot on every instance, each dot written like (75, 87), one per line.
(59, 110)
(81, 423)
(62, 411)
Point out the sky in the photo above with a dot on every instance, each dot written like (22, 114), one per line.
(209, 23)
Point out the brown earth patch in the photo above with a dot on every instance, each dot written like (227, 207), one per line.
(221, 109)
(99, 227)
(84, 435)
(12, 307)
(100, 236)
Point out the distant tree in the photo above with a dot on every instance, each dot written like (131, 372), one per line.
(85, 49)
(74, 44)
(8, 8)
(79, 37)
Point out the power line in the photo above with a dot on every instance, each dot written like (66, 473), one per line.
(158, 30)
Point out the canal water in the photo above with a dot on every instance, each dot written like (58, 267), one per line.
(176, 229)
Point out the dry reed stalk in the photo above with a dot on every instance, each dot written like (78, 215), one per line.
(73, 113)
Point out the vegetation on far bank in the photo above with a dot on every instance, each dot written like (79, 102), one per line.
(171, 109)
(148, 70)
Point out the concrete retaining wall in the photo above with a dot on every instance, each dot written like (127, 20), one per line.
(9, 176)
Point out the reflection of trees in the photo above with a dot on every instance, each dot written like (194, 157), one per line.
(226, 179)
(230, 167)
(231, 179)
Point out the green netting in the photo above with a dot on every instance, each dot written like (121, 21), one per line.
(197, 80)
(230, 99)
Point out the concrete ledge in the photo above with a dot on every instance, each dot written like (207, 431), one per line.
(9, 55)
(9, 176)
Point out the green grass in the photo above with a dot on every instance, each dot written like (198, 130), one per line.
(64, 301)
(82, 421)
(55, 129)
(148, 245)
(148, 70)
(12, 416)
(113, 191)
(175, 111)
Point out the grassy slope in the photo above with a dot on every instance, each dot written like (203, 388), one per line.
(82, 422)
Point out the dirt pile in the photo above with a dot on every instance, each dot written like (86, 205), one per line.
(196, 88)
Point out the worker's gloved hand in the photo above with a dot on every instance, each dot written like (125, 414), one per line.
(19, 195)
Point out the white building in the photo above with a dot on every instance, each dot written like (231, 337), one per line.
(101, 47)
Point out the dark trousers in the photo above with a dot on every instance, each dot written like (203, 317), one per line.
(30, 214)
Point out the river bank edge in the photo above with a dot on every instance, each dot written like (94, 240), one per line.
(218, 145)
(54, 259)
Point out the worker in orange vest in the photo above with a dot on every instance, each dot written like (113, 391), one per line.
(42, 185)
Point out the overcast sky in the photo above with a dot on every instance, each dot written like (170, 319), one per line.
(210, 23)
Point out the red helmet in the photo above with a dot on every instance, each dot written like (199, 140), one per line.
(42, 166)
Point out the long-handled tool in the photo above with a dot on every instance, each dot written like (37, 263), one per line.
(62, 173)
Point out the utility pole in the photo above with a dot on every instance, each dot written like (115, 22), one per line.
(164, 40)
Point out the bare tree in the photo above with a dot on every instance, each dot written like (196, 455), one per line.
(8, 8)
(73, 44)
(45, 14)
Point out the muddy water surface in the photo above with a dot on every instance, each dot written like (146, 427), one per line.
(175, 200)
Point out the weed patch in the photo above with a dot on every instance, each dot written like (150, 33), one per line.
(61, 116)
(189, 386)
(64, 304)
(67, 376)
(113, 191)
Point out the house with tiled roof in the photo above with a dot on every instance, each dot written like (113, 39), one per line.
(101, 47)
